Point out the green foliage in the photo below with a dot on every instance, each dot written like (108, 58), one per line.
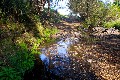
(17, 6)
(53, 16)
(47, 34)
(21, 35)
(113, 24)
(19, 50)
(96, 13)
(23, 59)
(19, 57)
(117, 2)
(34, 49)
(8, 73)
(14, 10)
(92, 12)
(113, 13)
(113, 17)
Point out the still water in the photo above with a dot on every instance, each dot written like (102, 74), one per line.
(58, 61)
(57, 56)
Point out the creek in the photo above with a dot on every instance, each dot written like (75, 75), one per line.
(57, 62)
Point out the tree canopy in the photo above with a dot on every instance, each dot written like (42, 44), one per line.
(95, 12)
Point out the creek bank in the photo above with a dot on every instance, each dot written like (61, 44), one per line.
(86, 60)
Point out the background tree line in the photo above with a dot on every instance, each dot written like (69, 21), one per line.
(15, 9)
(22, 32)
(96, 13)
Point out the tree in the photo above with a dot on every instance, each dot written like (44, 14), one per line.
(117, 2)
(16, 10)
(91, 11)
(38, 5)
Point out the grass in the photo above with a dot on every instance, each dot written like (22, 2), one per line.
(8, 73)
(18, 43)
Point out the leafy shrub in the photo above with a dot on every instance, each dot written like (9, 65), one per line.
(47, 34)
(8, 73)
(20, 42)
(113, 24)
(19, 54)
(53, 17)
(22, 60)
(34, 49)
(16, 7)
(113, 13)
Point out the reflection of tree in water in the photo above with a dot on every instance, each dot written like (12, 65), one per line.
(66, 66)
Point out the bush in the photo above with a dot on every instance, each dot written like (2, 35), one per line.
(21, 35)
(113, 13)
(22, 60)
(113, 24)
(8, 73)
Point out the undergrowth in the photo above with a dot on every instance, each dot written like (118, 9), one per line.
(113, 24)
(18, 43)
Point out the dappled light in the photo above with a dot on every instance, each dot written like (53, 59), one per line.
(59, 40)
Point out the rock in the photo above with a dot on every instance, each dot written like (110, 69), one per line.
(99, 29)
(76, 34)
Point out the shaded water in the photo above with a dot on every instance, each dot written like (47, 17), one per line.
(56, 62)
(57, 56)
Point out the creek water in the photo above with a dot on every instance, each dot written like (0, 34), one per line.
(56, 62)
(56, 58)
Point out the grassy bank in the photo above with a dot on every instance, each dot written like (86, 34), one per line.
(19, 41)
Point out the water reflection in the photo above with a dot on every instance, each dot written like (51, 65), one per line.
(57, 56)
(59, 62)
(62, 47)
(45, 59)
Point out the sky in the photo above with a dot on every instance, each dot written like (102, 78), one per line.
(107, 1)
(63, 9)
(60, 6)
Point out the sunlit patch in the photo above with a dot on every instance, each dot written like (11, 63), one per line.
(60, 39)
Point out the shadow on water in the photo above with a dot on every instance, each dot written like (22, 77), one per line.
(56, 63)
